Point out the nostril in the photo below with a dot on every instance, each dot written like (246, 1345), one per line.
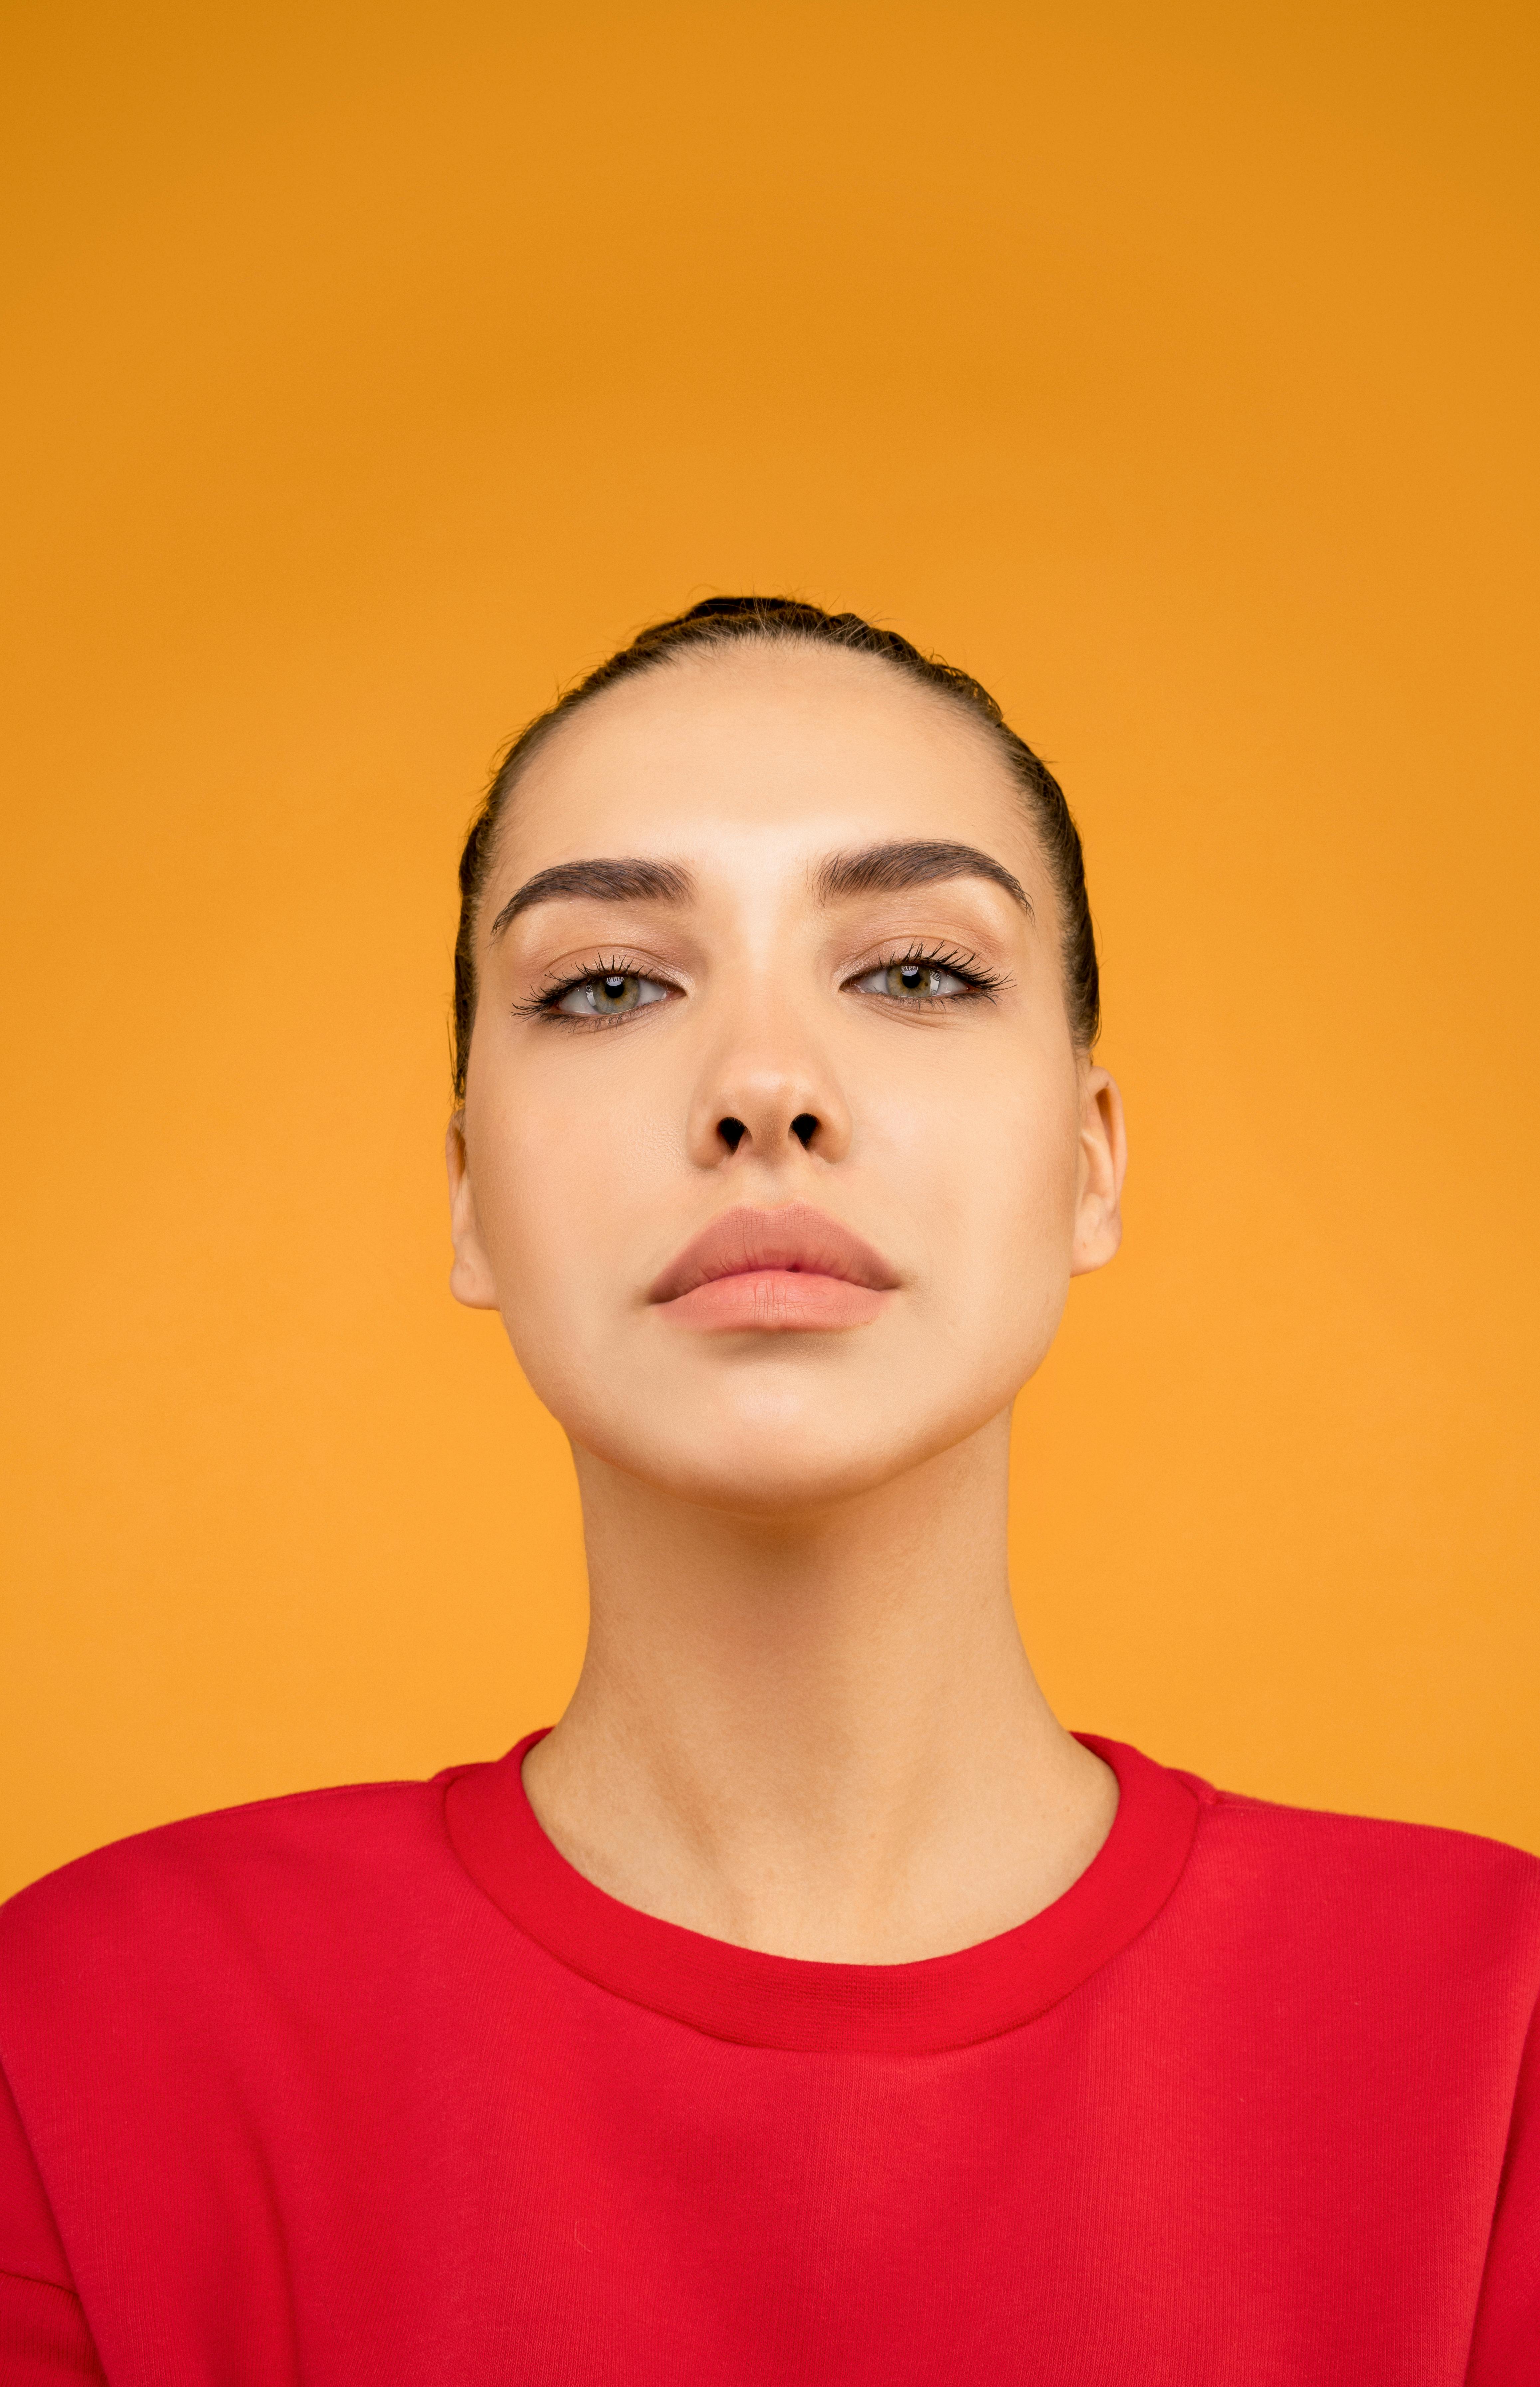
(804, 1128)
(732, 1132)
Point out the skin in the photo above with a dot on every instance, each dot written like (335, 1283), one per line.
(806, 1721)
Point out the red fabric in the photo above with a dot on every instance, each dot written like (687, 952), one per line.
(369, 2085)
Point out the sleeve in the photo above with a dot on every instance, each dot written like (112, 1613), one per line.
(43, 2339)
(1504, 2350)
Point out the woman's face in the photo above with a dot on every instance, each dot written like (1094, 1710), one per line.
(777, 1154)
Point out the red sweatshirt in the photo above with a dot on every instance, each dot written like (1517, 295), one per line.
(368, 2086)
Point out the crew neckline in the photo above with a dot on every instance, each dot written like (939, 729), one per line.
(797, 2003)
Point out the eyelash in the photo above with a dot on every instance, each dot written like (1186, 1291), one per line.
(976, 982)
(542, 1003)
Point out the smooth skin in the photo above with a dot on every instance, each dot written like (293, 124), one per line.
(806, 1721)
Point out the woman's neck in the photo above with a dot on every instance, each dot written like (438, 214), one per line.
(820, 1739)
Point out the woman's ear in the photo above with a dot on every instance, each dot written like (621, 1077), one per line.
(470, 1275)
(1104, 1158)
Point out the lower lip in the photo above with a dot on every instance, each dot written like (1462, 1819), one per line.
(775, 1301)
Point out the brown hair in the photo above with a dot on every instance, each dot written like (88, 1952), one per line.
(728, 621)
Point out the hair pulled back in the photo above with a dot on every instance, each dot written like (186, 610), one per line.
(732, 621)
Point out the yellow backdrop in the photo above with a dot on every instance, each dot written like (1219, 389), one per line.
(375, 368)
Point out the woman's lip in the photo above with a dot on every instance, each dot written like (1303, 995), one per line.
(775, 1270)
(775, 1301)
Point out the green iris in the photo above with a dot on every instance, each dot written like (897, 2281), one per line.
(613, 992)
(914, 978)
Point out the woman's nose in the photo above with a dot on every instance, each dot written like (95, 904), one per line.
(769, 1110)
(804, 1127)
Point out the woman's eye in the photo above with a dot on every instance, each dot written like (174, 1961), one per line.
(912, 982)
(609, 994)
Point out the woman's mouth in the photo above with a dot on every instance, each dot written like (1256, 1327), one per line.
(791, 1270)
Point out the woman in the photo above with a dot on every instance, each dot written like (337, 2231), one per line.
(808, 2004)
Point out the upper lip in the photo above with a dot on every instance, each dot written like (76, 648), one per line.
(795, 1237)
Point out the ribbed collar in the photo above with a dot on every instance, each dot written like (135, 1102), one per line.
(788, 2001)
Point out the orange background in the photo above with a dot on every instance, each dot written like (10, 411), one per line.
(376, 368)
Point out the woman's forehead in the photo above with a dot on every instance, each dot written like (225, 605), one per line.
(784, 748)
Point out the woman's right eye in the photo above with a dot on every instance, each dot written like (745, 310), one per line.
(608, 995)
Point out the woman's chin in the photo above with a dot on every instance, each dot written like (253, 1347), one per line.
(762, 1468)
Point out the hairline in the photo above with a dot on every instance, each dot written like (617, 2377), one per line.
(708, 649)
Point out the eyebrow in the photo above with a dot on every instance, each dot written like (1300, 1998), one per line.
(627, 879)
(913, 862)
(874, 870)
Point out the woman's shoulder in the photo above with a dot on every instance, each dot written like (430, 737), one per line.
(1333, 1836)
(289, 1868)
(1417, 1892)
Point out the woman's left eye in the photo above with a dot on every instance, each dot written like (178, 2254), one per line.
(912, 982)
(609, 995)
